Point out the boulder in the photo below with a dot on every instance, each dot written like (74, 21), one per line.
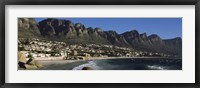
(86, 68)
(22, 57)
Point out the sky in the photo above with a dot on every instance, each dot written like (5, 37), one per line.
(166, 28)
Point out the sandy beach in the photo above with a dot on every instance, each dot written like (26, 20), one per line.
(50, 62)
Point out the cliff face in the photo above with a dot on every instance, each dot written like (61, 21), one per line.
(70, 32)
(28, 28)
(65, 30)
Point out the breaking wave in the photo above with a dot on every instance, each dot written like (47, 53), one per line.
(156, 67)
(90, 64)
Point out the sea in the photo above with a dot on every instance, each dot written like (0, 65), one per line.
(121, 64)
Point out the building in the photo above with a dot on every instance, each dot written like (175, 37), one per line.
(74, 52)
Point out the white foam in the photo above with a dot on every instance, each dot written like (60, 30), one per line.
(156, 67)
(90, 64)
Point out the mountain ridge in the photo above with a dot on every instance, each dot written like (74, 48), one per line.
(72, 33)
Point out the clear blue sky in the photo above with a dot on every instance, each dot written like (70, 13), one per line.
(165, 27)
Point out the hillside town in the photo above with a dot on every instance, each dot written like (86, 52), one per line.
(55, 50)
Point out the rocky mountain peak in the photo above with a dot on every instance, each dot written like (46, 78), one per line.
(28, 27)
(178, 38)
(154, 36)
(112, 32)
(79, 26)
(143, 36)
(98, 29)
(135, 32)
(174, 42)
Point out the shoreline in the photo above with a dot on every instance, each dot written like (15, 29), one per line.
(101, 58)
(60, 62)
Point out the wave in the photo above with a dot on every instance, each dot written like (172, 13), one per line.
(90, 64)
(156, 67)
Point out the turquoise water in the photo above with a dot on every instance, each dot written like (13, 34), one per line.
(122, 64)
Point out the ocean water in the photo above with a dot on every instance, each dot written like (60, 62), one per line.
(122, 64)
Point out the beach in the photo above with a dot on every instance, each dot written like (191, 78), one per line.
(51, 62)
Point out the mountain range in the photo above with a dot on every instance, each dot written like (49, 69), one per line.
(73, 33)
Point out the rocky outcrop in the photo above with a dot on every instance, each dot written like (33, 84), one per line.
(28, 28)
(87, 68)
(27, 63)
(175, 42)
(155, 39)
(115, 39)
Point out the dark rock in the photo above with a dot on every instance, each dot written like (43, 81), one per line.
(87, 68)
(21, 65)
